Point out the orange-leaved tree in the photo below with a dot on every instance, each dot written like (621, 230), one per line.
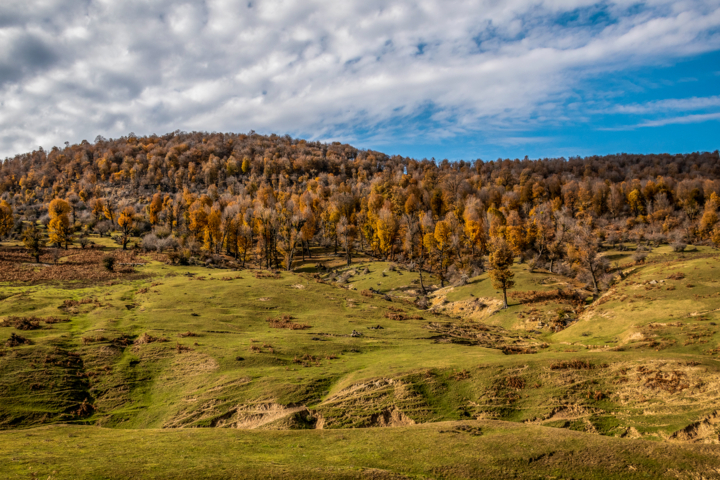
(59, 226)
(6, 218)
(126, 222)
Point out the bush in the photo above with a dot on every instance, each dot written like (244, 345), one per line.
(167, 243)
(103, 227)
(639, 256)
(109, 263)
(150, 242)
(678, 246)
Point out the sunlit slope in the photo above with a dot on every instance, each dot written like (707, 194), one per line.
(196, 347)
(460, 450)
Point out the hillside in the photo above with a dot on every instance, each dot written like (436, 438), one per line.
(171, 347)
(240, 306)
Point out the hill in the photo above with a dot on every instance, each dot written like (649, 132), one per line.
(239, 306)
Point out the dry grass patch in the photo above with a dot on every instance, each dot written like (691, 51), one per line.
(286, 321)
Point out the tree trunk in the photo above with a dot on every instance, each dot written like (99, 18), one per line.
(595, 287)
(347, 251)
(505, 304)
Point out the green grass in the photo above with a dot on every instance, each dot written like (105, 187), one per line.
(238, 372)
(442, 450)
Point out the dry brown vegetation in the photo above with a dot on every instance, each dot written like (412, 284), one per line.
(146, 338)
(79, 265)
(286, 321)
(572, 365)
(16, 340)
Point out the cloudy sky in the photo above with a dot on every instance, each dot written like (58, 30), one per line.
(444, 78)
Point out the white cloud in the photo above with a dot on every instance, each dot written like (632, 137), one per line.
(71, 70)
(697, 118)
(669, 104)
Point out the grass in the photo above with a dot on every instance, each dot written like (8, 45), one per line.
(481, 449)
(621, 367)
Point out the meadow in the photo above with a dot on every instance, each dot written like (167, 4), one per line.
(161, 371)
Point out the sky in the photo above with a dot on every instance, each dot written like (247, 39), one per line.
(455, 79)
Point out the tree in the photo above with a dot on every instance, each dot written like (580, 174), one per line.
(109, 212)
(501, 259)
(474, 230)
(74, 200)
(347, 232)
(155, 207)
(583, 252)
(386, 229)
(6, 218)
(213, 230)
(34, 241)
(198, 216)
(126, 222)
(59, 226)
(442, 244)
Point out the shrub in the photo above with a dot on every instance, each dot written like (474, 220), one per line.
(103, 227)
(16, 340)
(150, 242)
(678, 246)
(169, 242)
(108, 262)
(639, 256)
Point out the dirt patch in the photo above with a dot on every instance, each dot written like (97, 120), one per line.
(194, 363)
(77, 265)
(384, 402)
(472, 309)
(706, 430)
(480, 334)
(146, 338)
(631, 433)
(390, 418)
(260, 415)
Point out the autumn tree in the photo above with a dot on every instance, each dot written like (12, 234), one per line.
(6, 218)
(109, 211)
(154, 209)
(386, 229)
(347, 232)
(126, 222)
(59, 226)
(438, 244)
(34, 241)
(583, 252)
(501, 259)
(474, 229)
(213, 230)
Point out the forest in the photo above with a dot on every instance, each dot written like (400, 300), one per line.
(213, 198)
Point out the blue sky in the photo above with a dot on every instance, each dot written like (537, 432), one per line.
(423, 78)
(612, 129)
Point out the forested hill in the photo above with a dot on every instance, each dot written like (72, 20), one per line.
(263, 198)
(197, 160)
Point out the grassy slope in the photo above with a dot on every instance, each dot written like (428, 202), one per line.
(350, 381)
(442, 450)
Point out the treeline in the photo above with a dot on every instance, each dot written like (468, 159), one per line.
(268, 199)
